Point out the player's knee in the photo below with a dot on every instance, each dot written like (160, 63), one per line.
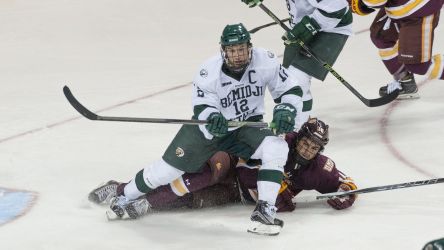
(275, 151)
(160, 173)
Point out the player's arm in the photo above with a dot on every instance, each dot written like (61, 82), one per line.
(205, 103)
(288, 98)
(333, 180)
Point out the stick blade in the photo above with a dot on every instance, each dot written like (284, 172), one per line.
(383, 100)
(77, 105)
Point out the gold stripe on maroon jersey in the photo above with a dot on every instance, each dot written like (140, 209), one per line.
(406, 9)
(389, 53)
(437, 67)
(374, 3)
(427, 33)
(178, 187)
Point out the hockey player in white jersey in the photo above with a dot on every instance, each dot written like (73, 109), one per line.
(229, 86)
(324, 26)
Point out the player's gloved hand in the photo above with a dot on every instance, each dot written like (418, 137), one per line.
(339, 203)
(284, 201)
(305, 30)
(252, 3)
(217, 124)
(283, 118)
(359, 7)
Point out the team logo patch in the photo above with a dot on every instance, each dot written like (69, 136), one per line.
(180, 152)
(270, 54)
(15, 203)
(218, 165)
(203, 73)
(329, 164)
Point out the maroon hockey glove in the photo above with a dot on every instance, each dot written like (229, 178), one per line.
(344, 202)
(284, 201)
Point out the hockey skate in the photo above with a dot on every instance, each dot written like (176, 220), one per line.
(264, 221)
(103, 193)
(409, 89)
(122, 208)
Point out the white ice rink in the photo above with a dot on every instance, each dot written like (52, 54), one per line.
(137, 58)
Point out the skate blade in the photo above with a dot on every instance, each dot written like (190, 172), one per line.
(111, 216)
(408, 96)
(263, 229)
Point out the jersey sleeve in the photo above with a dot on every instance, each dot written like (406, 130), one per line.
(204, 98)
(280, 81)
(282, 86)
(329, 176)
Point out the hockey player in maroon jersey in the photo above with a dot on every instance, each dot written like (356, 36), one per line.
(306, 169)
(403, 31)
(226, 180)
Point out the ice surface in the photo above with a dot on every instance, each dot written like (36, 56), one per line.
(122, 57)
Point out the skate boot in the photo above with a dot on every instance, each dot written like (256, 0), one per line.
(407, 86)
(264, 221)
(122, 208)
(104, 192)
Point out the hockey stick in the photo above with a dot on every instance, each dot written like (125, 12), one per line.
(92, 116)
(254, 30)
(368, 102)
(380, 188)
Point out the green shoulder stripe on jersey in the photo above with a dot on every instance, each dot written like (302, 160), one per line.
(307, 105)
(293, 91)
(346, 20)
(336, 14)
(198, 109)
(270, 175)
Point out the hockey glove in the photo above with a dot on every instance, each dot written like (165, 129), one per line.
(252, 3)
(305, 30)
(359, 7)
(284, 201)
(347, 201)
(283, 118)
(217, 124)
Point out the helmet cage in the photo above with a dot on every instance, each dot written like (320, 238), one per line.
(236, 62)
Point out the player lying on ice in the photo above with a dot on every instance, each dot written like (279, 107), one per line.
(226, 179)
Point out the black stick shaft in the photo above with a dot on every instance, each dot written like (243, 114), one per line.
(254, 30)
(92, 116)
(381, 188)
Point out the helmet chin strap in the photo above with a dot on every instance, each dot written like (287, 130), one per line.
(301, 160)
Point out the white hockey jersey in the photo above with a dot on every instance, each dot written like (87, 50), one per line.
(333, 16)
(240, 100)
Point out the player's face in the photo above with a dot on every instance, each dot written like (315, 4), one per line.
(307, 148)
(237, 56)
